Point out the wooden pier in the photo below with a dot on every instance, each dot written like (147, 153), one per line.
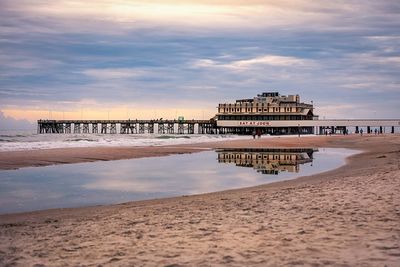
(212, 126)
(127, 126)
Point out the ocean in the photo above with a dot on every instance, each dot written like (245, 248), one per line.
(30, 140)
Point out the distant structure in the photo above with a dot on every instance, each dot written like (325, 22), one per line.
(267, 113)
(263, 108)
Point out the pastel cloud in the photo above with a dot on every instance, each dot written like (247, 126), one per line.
(113, 73)
(7, 123)
(174, 12)
(244, 64)
(104, 15)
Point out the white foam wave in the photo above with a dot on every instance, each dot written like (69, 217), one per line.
(32, 141)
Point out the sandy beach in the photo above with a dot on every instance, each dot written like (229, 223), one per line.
(346, 217)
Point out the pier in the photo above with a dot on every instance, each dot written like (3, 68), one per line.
(275, 127)
(127, 126)
(267, 113)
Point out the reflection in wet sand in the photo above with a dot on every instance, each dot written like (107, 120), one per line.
(268, 160)
(96, 183)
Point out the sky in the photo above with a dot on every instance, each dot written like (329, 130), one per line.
(167, 58)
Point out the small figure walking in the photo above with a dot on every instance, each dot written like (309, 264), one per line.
(258, 133)
(254, 134)
(361, 132)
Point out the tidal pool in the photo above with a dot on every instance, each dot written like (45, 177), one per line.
(110, 182)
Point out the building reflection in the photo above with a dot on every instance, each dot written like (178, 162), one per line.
(268, 160)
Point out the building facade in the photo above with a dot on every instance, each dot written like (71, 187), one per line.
(246, 116)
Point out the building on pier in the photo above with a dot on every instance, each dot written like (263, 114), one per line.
(248, 115)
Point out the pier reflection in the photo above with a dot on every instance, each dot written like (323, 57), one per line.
(100, 183)
(270, 161)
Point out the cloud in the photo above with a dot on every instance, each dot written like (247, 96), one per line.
(22, 64)
(138, 14)
(245, 64)
(326, 110)
(9, 123)
(113, 73)
(116, 17)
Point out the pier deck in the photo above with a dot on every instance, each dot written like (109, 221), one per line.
(128, 126)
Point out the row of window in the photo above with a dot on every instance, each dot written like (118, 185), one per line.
(260, 104)
(278, 109)
(258, 156)
(263, 117)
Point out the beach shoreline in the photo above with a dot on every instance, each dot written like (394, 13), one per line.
(10, 160)
(347, 216)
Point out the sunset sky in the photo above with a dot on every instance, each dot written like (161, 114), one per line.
(152, 59)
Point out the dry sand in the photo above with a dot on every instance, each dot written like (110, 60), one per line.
(346, 217)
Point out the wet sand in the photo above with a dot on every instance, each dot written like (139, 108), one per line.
(19, 159)
(346, 217)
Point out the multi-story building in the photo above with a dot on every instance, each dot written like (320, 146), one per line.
(254, 115)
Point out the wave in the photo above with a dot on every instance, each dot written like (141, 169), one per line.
(80, 139)
(172, 137)
(49, 141)
(7, 140)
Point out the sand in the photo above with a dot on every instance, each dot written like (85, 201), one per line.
(346, 217)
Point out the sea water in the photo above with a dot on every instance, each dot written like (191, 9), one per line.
(95, 183)
(30, 140)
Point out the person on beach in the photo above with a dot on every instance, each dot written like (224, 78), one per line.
(254, 134)
(361, 132)
(258, 133)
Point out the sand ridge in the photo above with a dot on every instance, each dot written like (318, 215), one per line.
(345, 217)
